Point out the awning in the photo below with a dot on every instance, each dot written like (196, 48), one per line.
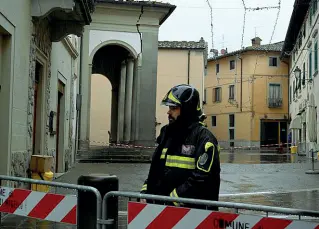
(295, 123)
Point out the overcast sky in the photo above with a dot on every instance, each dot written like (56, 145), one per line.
(191, 21)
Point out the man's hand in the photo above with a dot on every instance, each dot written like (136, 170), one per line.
(143, 201)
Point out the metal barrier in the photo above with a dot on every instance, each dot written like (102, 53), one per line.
(228, 205)
(61, 185)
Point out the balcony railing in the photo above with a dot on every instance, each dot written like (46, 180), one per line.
(274, 102)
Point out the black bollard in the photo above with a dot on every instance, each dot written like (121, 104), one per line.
(86, 209)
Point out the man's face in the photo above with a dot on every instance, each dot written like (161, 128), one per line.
(173, 113)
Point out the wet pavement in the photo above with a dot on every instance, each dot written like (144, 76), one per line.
(264, 178)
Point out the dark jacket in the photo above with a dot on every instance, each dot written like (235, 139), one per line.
(185, 164)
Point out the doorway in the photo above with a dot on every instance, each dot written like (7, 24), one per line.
(37, 108)
(6, 53)
(273, 132)
(283, 132)
(60, 128)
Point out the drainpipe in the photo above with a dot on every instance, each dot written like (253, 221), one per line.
(287, 63)
(188, 66)
(78, 100)
(241, 84)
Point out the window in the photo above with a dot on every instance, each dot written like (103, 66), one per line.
(231, 134)
(294, 89)
(310, 64)
(304, 31)
(274, 90)
(231, 120)
(299, 82)
(217, 68)
(304, 74)
(274, 99)
(300, 41)
(290, 99)
(232, 64)
(232, 92)
(316, 57)
(273, 61)
(310, 16)
(217, 94)
(214, 121)
(314, 6)
(231, 127)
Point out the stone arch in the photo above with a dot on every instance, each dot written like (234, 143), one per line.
(113, 42)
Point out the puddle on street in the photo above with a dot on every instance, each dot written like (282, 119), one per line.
(256, 157)
(307, 200)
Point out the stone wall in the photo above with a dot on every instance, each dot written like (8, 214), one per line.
(43, 42)
(40, 38)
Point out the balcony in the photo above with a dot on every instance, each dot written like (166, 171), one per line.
(274, 102)
(65, 16)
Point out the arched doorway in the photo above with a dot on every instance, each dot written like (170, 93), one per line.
(101, 106)
(117, 63)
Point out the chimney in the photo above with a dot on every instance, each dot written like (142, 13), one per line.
(223, 51)
(215, 52)
(256, 41)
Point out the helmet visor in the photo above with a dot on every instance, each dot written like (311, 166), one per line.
(170, 100)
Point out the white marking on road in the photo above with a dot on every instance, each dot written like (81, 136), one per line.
(266, 193)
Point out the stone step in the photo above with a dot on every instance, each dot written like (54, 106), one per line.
(115, 155)
(114, 160)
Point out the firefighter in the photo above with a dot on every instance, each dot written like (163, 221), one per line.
(186, 161)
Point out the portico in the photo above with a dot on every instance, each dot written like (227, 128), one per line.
(121, 44)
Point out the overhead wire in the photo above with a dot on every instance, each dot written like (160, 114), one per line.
(253, 76)
(211, 22)
(243, 33)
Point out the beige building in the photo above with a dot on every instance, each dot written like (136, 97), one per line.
(179, 62)
(38, 78)
(246, 96)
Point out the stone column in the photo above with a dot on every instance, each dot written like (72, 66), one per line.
(146, 97)
(114, 115)
(128, 100)
(85, 93)
(121, 104)
(135, 77)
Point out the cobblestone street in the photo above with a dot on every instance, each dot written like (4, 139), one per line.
(279, 181)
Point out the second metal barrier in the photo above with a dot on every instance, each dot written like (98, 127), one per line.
(236, 206)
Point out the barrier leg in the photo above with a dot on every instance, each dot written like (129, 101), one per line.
(87, 209)
(0, 212)
(313, 171)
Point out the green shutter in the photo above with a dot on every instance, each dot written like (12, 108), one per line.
(310, 65)
(316, 57)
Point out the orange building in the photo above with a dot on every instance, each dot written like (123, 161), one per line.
(246, 96)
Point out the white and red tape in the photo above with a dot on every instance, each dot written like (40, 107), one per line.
(39, 205)
(150, 216)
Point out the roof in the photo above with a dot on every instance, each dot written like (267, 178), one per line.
(144, 4)
(297, 18)
(182, 44)
(274, 47)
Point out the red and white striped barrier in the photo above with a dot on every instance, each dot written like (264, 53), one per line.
(150, 216)
(39, 205)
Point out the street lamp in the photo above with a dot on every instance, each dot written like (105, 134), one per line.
(297, 72)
